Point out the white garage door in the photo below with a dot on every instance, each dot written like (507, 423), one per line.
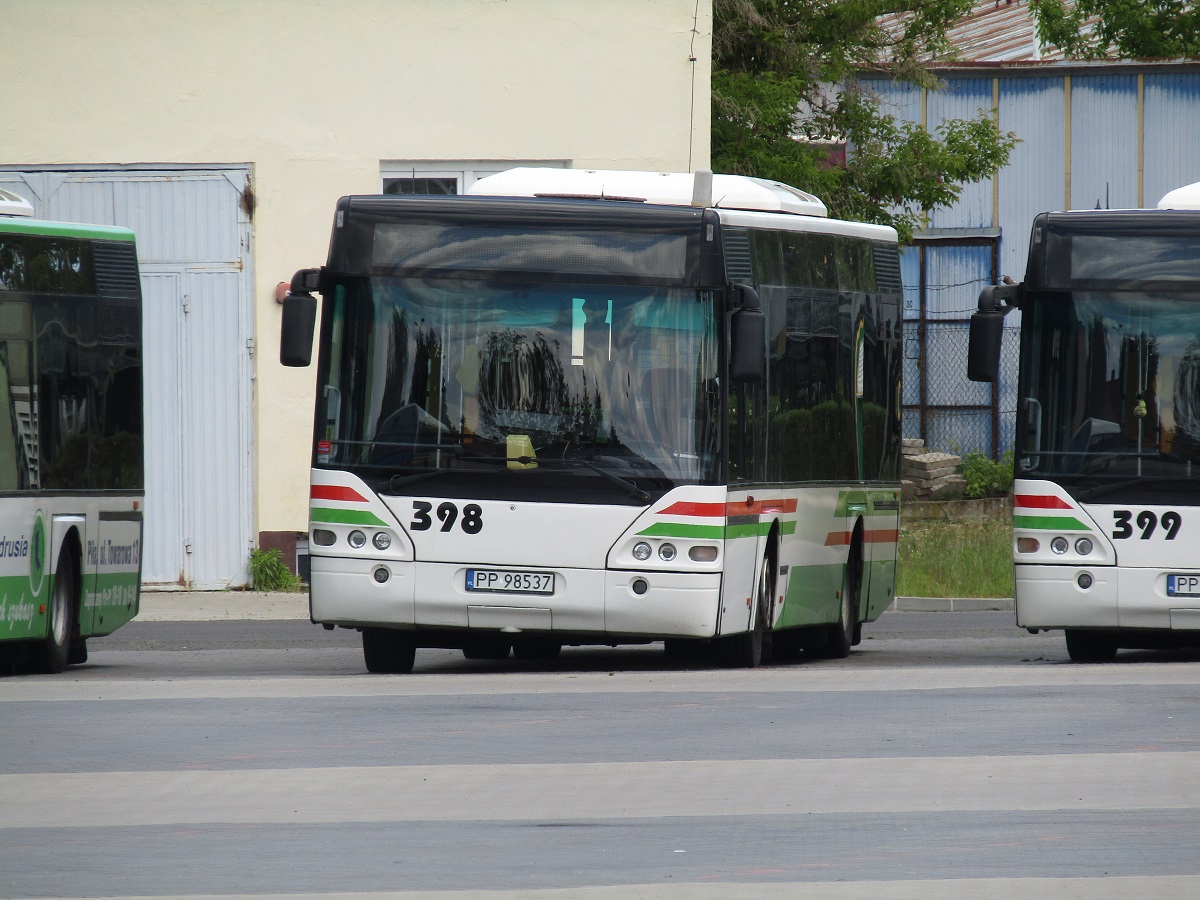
(193, 239)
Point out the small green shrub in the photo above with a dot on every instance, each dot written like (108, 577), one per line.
(268, 572)
(986, 477)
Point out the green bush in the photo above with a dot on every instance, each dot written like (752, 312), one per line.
(268, 572)
(986, 477)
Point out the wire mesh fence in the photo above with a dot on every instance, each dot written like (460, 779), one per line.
(941, 407)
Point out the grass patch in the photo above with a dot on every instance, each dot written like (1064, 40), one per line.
(955, 559)
(268, 572)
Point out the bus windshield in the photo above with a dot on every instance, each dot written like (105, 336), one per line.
(1110, 388)
(563, 392)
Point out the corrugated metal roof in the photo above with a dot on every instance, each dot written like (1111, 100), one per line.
(998, 31)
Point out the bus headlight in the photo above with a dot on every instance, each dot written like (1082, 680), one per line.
(641, 551)
(667, 552)
(1059, 545)
(382, 540)
(357, 539)
(1083, 546)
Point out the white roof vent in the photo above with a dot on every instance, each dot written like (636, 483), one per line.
(663, 188)
(12, 205)
(1186, 197)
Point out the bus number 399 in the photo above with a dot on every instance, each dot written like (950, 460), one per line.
(471, 521)
(1147, 521)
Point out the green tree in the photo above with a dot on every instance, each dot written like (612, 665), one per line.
(776, 110)
(1097, 29)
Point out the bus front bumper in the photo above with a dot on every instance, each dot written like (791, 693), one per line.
(647, 605)
(1136, 598)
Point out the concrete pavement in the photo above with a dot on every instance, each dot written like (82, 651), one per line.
(209, 606)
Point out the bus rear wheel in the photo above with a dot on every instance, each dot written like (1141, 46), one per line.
(1090, 646)
(52, 654)
(841, 634)
(387, 651)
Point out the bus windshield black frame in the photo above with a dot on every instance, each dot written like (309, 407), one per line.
(570, 355)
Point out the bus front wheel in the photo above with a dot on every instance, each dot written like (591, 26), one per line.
(52, 654)
(1090, 646)
(751, 648)
(387, 651)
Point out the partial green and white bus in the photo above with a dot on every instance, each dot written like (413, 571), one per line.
(70, 435)
(578, 407)
(1106, 501)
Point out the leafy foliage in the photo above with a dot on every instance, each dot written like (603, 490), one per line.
(1098, 29)
(268, 572)
(986, 477)
(776, 110)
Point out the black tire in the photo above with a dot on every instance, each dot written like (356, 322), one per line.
(536, 648)
(752, 648)
(387, 651)
(1091, 646)
(51, 655)
(841, 633)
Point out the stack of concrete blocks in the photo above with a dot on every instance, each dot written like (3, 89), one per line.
(930, 476)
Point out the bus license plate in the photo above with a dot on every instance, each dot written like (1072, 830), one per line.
(1183, 585)
(495, 581)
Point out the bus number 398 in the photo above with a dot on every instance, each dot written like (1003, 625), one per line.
(1147, 521)
(471, 520)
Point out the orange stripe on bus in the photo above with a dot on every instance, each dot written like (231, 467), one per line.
(876, 536)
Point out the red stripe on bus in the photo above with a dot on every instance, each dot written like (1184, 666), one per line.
(705, 510)
(336, 492)
(1040, 501)
(732, 508)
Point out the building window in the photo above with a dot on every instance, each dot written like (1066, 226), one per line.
(448, 176)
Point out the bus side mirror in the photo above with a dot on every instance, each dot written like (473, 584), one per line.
(748, 347)
(987, 331)
(299, 319)
(296, 333)
(983, 349)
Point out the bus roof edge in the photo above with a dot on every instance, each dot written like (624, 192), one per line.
(660, 188)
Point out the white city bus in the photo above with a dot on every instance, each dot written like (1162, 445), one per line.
(584, 407)
(71, 487)
(1106, 501)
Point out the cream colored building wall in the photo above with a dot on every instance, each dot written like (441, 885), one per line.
(315, 95)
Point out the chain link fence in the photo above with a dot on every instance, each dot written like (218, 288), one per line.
(945, 410)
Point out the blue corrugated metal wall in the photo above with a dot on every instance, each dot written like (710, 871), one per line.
(1132, 134)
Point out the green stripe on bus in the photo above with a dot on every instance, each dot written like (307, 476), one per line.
(683, 530)
(1049, 523)
(64, 229)
(345, 516)
(757, 529)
